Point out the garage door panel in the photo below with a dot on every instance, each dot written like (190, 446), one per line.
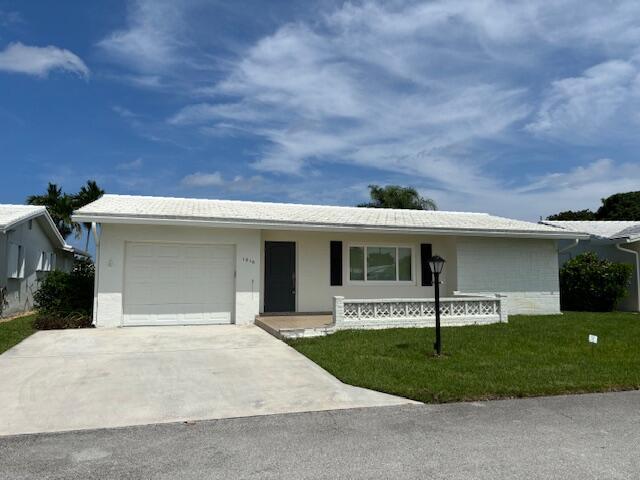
(179, 284)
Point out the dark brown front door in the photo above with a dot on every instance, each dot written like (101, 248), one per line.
(279, 277)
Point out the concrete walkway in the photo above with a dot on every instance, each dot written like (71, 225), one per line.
(100, 378)
(580, 437)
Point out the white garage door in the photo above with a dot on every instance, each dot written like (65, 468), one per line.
(169, 284)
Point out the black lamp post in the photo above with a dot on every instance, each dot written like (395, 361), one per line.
(437, 265)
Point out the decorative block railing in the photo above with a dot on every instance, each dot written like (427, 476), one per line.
(398, 312)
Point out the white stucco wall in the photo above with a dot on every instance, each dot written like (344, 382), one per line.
(20, 291)
(524, 270)
(314, 292)
(110, 271)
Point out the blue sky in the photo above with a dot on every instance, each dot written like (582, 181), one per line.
(518, 109)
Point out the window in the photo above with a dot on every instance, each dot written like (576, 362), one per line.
(46, 262)
(380, 264)
(15, 261)
(356, 263)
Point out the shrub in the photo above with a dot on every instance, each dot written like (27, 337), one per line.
(589, 283)
(65, 300)
(51, 321)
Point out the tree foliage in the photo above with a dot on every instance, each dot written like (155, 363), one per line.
(620, 206)
(61, 205)
(65, 300)
(396, 196)
(573, 215)
(90, 192)
(589, 283)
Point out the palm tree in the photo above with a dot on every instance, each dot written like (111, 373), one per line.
(395, 196)
(60, 207)
(87, 194)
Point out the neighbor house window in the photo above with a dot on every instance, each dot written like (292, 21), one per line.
(15, 261)
(46, 262)
(368, 263)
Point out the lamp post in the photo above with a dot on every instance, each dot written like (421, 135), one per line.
(437, 265)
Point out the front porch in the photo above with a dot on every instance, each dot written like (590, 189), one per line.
(386, 313)
(302, 325)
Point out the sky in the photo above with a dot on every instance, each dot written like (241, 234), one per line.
(520, 109)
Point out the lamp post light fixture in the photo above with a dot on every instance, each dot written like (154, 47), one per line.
(437, 265)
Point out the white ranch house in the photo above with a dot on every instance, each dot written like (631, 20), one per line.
(167, 261)
(30, 247)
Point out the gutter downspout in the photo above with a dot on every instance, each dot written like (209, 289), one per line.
(570, 246)
(635, 254)
(96, 239)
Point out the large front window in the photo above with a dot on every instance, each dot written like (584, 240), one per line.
(369, 263)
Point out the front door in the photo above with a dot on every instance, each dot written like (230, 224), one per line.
(279, 277)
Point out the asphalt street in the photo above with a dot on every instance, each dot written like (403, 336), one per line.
(569, 437)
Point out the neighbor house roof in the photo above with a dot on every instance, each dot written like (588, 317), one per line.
(12, 215)
(163, 210)
(606, 229)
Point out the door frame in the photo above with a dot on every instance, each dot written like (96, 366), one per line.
(295, 273)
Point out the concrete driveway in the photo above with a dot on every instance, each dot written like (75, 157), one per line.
(99, 378)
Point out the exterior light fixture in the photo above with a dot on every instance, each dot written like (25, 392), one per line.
(437, 266)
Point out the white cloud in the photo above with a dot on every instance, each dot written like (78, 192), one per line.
(204, 112)
(576, 188)
(39, 61)
(425, 92)
(9, 18)
(333, 94)
(601, 104)
(200, 179)
(132, 165)
(413, 88)
(152, 39)
(124, 112)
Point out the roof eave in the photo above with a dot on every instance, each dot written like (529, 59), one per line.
(274, 225)
(5, 228)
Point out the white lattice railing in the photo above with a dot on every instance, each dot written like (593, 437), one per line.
(361, 313)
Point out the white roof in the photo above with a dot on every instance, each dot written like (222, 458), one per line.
(164, 210)
(609, 229)
(11, 215)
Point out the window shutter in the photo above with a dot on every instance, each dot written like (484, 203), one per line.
(336, 263)
(425, 255)
(13, 261)
(21, 261)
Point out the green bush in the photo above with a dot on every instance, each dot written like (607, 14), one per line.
(51, 321)
(589, 283)
(65, 300)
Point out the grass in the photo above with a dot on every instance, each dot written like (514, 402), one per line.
(529, 356)
(14, 331)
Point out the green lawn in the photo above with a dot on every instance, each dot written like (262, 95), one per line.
(531, 355)
(14, 331)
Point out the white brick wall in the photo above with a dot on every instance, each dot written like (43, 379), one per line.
(524, 270)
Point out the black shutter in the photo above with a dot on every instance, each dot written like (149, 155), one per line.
(336, 263)
(425, 255)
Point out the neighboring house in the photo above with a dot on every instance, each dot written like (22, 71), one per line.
(30, 246)
(617, 241)
(184, 261)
